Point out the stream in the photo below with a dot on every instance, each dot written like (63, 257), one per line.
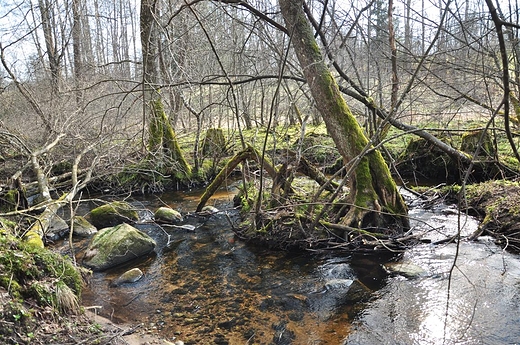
(207, 287)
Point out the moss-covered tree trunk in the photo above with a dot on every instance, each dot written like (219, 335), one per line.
(374, 195)
(162, 144)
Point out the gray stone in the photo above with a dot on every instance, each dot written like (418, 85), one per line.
(58, 228)
(112, 246)
(82, 227)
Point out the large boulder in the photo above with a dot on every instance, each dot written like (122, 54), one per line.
(167, 215)
(113, 246)
(112, 214)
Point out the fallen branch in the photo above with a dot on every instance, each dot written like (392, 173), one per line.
(249, 153)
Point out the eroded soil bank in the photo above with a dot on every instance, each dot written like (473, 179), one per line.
(497, 203)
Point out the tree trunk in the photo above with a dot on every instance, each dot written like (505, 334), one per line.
(162, 143)
(375, 199)
(77, 50)
(47, 16)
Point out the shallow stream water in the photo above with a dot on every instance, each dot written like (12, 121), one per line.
(207, 287)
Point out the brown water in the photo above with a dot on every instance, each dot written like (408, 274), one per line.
(210, 288)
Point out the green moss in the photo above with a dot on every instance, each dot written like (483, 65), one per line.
(365, 193)
(245, 199)
(214, 142)
(516, 107)
(162, 138)
(42, 293)
(470, 142)
(113, 213)
(7, 226)
(33, 273)
(33, 239)
(12, 286)
(10, 201)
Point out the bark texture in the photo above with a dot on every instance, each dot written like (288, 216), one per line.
(162, 143)
(375, 198)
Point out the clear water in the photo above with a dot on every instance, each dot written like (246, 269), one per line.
(210, 288)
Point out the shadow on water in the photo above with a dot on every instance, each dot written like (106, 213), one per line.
(207, 287)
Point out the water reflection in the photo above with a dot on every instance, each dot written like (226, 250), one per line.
(210, 288)
(475, 304)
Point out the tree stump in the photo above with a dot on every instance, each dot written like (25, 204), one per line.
(214, 144)
(473, 139)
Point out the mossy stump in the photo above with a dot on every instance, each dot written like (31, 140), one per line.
(214, 144)
(478, 141)
(424, 161)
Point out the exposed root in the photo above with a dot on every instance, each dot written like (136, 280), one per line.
(290, 231)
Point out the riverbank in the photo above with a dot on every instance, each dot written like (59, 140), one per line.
(46, 327)
(128, 334)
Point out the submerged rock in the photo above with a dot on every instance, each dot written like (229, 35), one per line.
(207, 210)
(338, 284)
(112, 214)
(130, 276)
(358, 292)
(113, 246)
(167, 215)
(348, 290)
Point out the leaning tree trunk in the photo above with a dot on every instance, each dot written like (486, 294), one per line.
(375, 199)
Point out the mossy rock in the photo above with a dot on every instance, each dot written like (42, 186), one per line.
(167, 215)
(82, 227)
(112, 214)
(115, 245)
(33, 239)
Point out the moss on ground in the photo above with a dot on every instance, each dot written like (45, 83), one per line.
(34, 283)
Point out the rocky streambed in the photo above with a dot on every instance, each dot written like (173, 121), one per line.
(202, 285)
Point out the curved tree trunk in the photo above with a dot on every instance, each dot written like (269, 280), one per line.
(374, 195)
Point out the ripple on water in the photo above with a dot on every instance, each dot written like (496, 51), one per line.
(211, 288)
